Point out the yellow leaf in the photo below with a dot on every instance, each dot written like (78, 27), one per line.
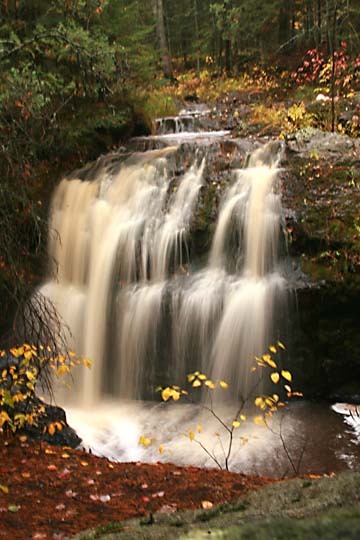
(87, 362)
(272, 349)
(243, 417)
(191, 435)
(51, 429)
(287, 388)
(207, 505)
(275, 377)
(17, 351)
(191, 377)
(161, 449)
(28, 355)
(23, 438)
(30, 375)
(223, 384)
(202, 377)
(169, 392)
(199, 428)
(29, 419)
(286, 375)
(281, 345)
(235, 423)
(84, 463)
(270, 362)
(196, 383)
(275, 398)
(4, 489)
(71, 353)
(175, 395)
(210, 384)
(259, 421)
(19, 397)
(4, 374)
(65, 455)
(166, 394)
(259, 402)
(145, 441)
(62, 370)
(30, 386)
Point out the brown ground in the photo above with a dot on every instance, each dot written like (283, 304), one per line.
(48, 492)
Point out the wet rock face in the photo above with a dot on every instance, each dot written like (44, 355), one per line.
(321, 192)
(326, 343)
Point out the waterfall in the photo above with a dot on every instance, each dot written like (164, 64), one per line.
(124, 281)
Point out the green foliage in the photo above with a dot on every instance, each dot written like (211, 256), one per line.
(67, 73)
(159, 103)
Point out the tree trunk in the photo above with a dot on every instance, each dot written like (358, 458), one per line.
(285, 17)
(197, 37)
(228, 62)
(332, 41)
(158, 9)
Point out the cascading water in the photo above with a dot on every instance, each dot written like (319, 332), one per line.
(140, 304)
(123, 283)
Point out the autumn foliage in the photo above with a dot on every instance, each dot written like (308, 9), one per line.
(22, 369)
(266, 405)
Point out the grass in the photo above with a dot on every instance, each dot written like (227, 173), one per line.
(326, 508)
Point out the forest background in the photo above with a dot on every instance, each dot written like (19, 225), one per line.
(79, 77)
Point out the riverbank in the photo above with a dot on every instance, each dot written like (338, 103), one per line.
(49, 492)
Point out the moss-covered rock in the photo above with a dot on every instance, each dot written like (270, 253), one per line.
(321, 191)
